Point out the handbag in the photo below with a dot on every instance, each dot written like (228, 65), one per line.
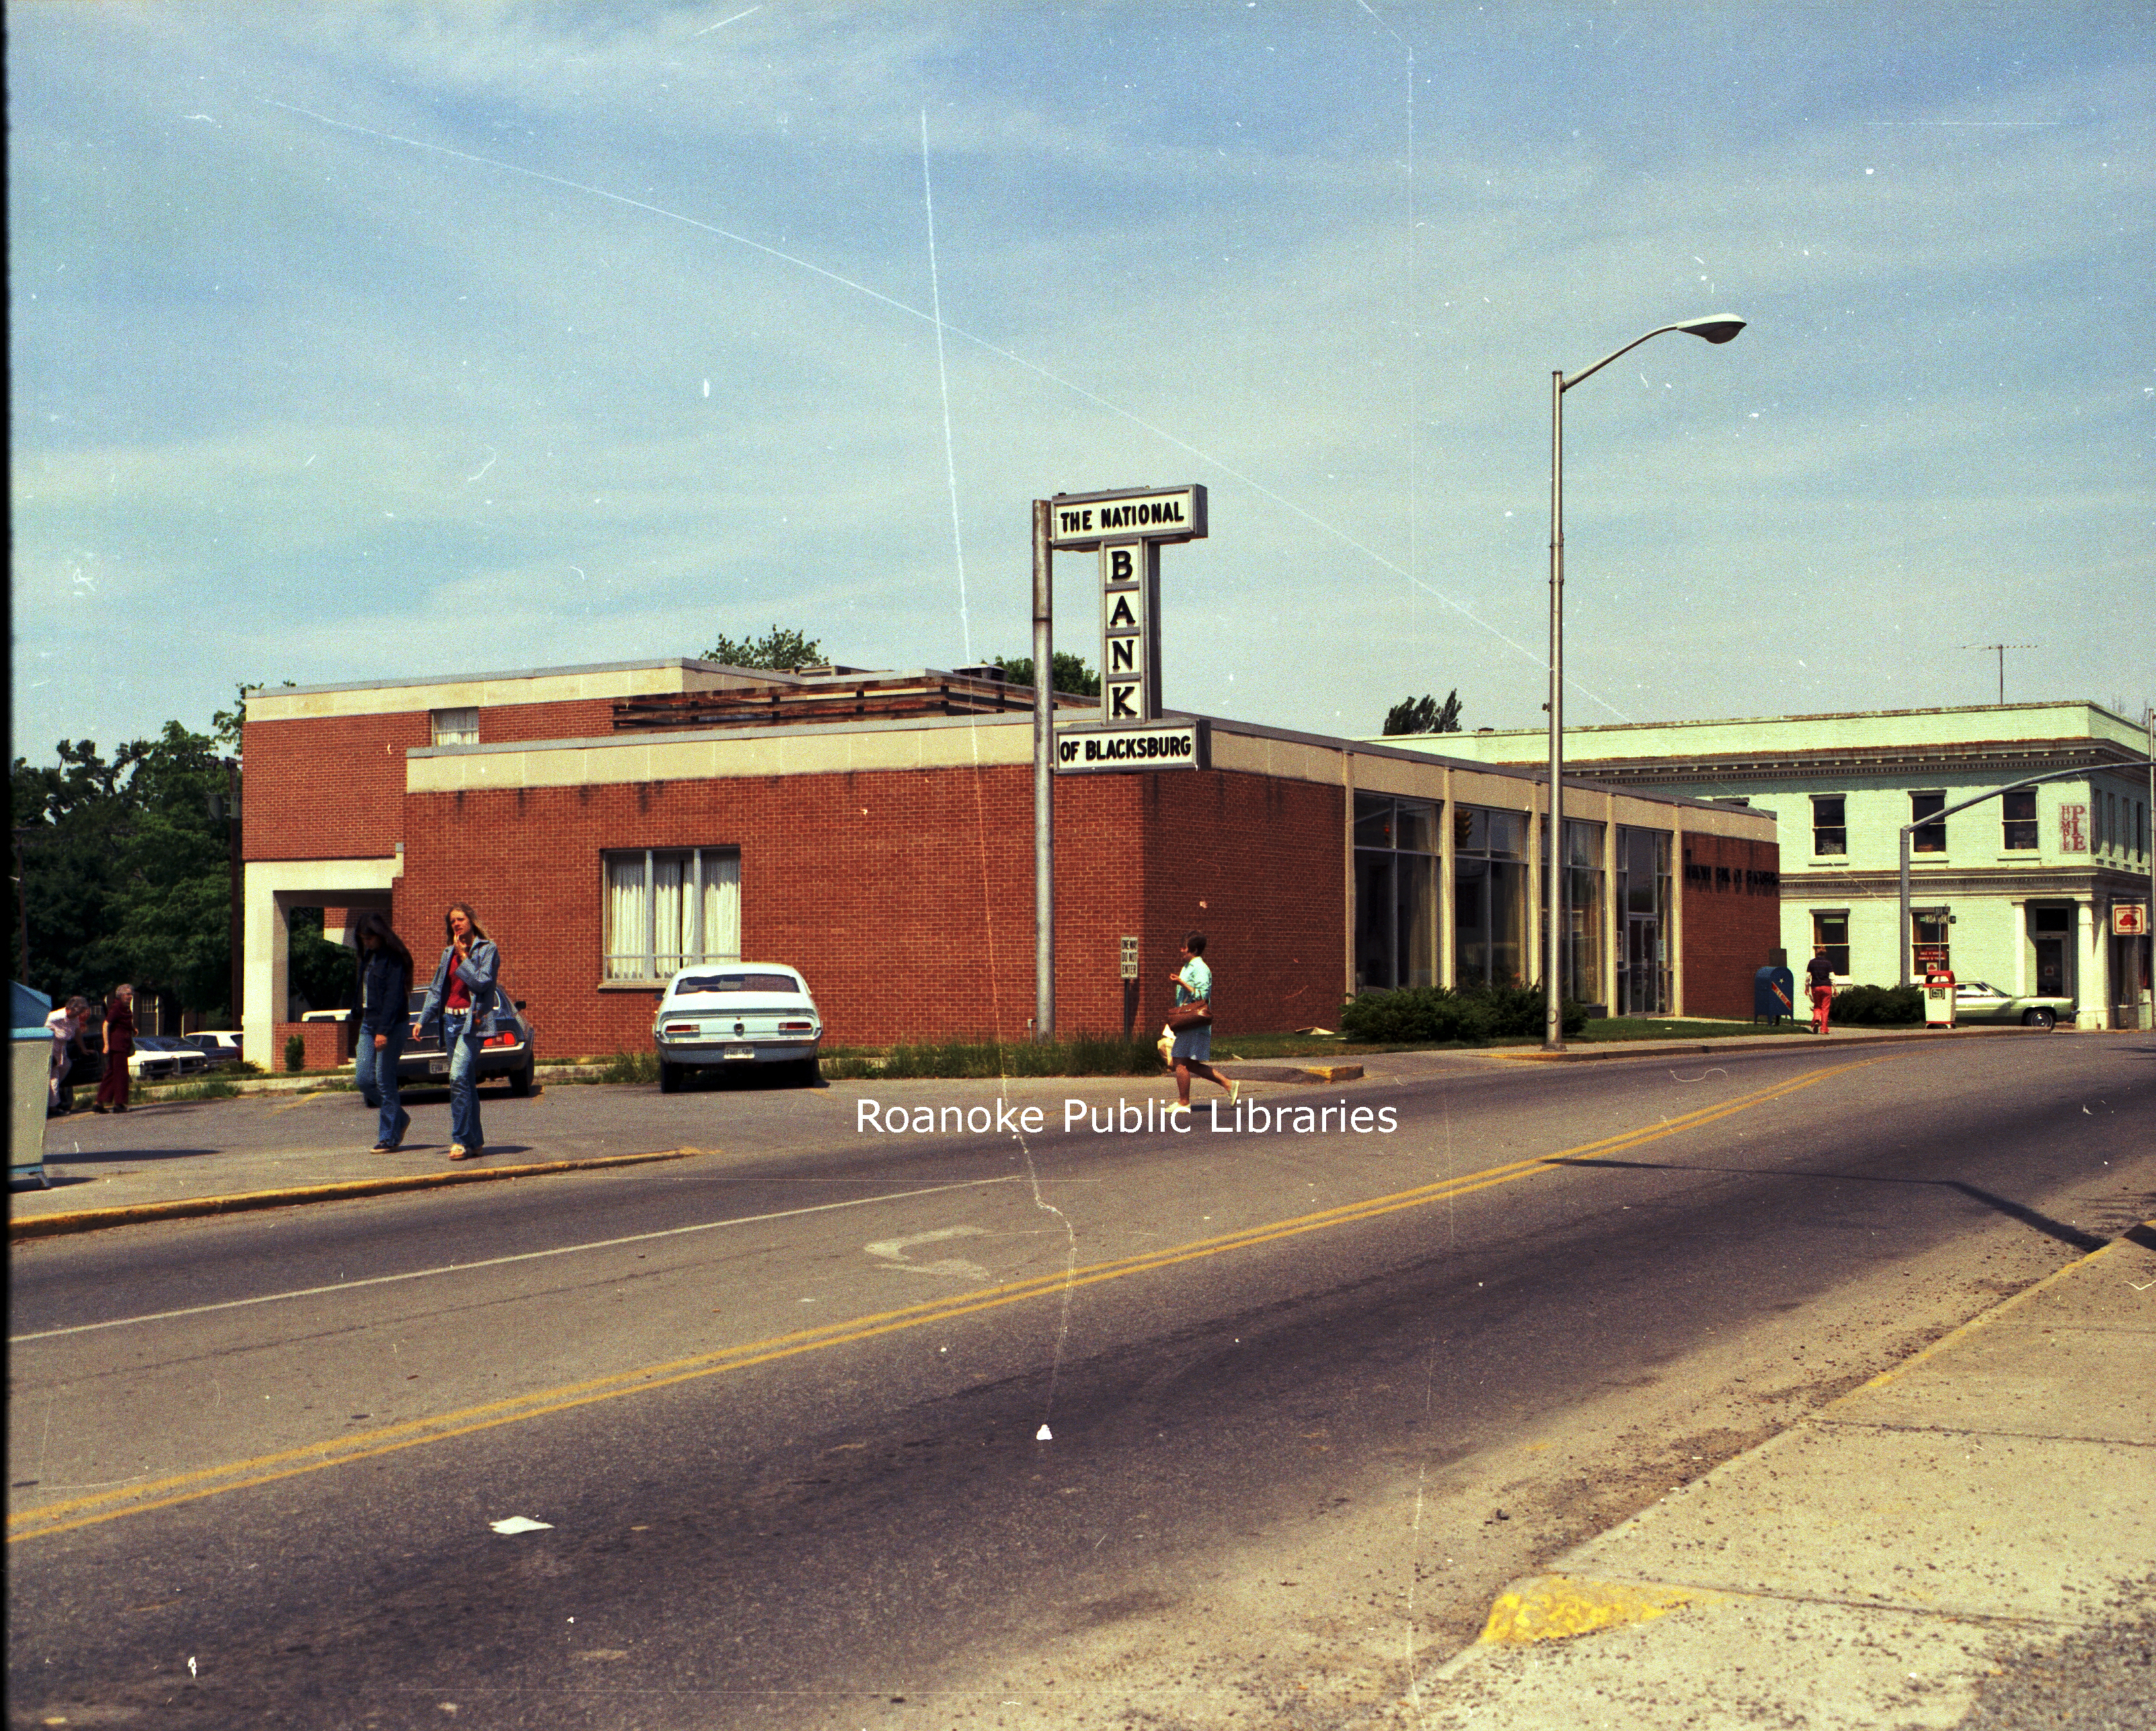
(1186, 1016)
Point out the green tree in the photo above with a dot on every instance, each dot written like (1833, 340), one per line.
(70, 818)
(781, 650)
(1068, 673)
(124, 874)
(170, 912)
(1424, 715)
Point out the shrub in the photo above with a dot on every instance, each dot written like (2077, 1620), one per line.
(638, 1066)
(1440, 1014)
(295, 1054)
(1878, 1006)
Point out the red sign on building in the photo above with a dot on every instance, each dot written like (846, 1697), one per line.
(2073, 828)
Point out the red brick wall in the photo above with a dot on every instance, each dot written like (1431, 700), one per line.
(1253, 863)
(1732, 920)
(332, 788)
(327, 1043)
(329, 788)
(579, 718)
(907, 897)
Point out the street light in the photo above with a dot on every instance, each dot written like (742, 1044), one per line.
(1718, 328)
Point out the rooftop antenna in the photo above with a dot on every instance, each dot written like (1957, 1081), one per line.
(2002, 648)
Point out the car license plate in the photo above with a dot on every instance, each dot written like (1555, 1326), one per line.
(741, 1051)
(437, 1067)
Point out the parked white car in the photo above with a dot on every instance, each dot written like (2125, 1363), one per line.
(220, 1045)
(160, 1057)
(736, 1013)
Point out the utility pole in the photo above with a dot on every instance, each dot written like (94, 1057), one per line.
(2002, 649)
(226, 805)
(1043, 777)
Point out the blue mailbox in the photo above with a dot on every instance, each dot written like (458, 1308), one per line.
(1773, 995)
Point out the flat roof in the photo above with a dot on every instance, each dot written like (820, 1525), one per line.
(480, 679)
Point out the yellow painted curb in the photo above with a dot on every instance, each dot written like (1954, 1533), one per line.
(1332, 1072)
(92, 1219)
(1557, 1607)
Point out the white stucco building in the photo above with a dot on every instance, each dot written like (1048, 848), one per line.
(2019, 891)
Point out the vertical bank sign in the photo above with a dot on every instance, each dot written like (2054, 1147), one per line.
(1128, 528)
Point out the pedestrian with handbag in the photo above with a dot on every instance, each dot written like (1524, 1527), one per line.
(119, 1047)
(385, 983)
(461, 1003)
(1191, 1021)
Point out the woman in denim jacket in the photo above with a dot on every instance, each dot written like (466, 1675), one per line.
(462, 1000)
(385, 982)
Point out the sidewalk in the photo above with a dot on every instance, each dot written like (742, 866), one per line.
(1874, 1564)
(323, 1160)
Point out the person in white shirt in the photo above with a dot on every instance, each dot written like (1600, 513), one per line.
(66, 1025)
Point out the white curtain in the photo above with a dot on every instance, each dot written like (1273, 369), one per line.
(625, 917)
(722, 907)
(668, 917)
(668, 941)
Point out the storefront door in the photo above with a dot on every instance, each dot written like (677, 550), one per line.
(1643, 970)
(2051, 967)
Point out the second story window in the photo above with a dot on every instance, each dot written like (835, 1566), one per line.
(1932, 838)
(455, 727)
(2018, 816)
(1829, 826)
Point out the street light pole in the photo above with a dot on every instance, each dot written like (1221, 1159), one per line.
(1044, 776)
(1719, 328)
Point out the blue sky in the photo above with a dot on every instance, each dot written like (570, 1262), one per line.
(352, 343)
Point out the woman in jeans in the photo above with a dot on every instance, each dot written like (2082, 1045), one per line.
(385, 979)
(461, 1000)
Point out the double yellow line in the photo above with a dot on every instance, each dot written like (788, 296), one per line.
(70, 1513)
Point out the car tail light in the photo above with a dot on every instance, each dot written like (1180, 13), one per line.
(683, 1028)
(795, 1027)
(501, 1040)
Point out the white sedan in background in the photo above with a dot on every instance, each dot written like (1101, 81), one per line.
(744, 1013)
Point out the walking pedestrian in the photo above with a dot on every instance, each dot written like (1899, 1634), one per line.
(461, 1002)
(119, 1047)
(65, 1024)
(1819, 980)
(1193, 1039)
(385, 983)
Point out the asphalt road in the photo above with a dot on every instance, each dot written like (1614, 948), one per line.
(853, 1427)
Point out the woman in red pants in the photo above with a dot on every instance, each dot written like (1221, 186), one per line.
(119, 1047)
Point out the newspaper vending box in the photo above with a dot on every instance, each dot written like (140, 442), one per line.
(1939, 998)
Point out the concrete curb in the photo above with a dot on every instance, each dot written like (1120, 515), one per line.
(1301, 1075)
(95, 1220)
(335, 1082)
(1735, 1042)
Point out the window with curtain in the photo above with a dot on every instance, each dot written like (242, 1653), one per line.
(671, 908)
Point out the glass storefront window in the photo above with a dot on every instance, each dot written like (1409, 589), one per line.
(1395, 892)
(1489, 897)
(1580, 963)
(1643, 897)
